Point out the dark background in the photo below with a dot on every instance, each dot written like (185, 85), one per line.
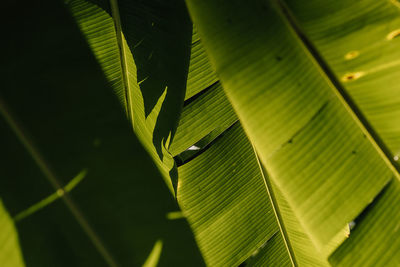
(57, 93)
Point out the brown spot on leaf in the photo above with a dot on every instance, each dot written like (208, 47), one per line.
(352, 76)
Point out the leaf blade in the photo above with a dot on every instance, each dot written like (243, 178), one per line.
(292, 106)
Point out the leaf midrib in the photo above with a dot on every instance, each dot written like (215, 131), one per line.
(275, 208)
(338, 89)
(268, 188)
(123, 58)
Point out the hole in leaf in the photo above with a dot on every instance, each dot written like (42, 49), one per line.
(351, 226)
(201, 146)
(193, 148)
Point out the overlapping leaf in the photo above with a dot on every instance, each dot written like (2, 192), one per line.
(315, 147)
(218, 181)
(144, 49)
(361, 48)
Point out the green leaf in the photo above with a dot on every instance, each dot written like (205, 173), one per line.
(211, 112)
(9, 246)
(271, 253)
(208, 118)
(201, 75)
(144, 51)
(222, 194)
(154, 256)
(316, 145)
(379, 224)
(363, 44)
